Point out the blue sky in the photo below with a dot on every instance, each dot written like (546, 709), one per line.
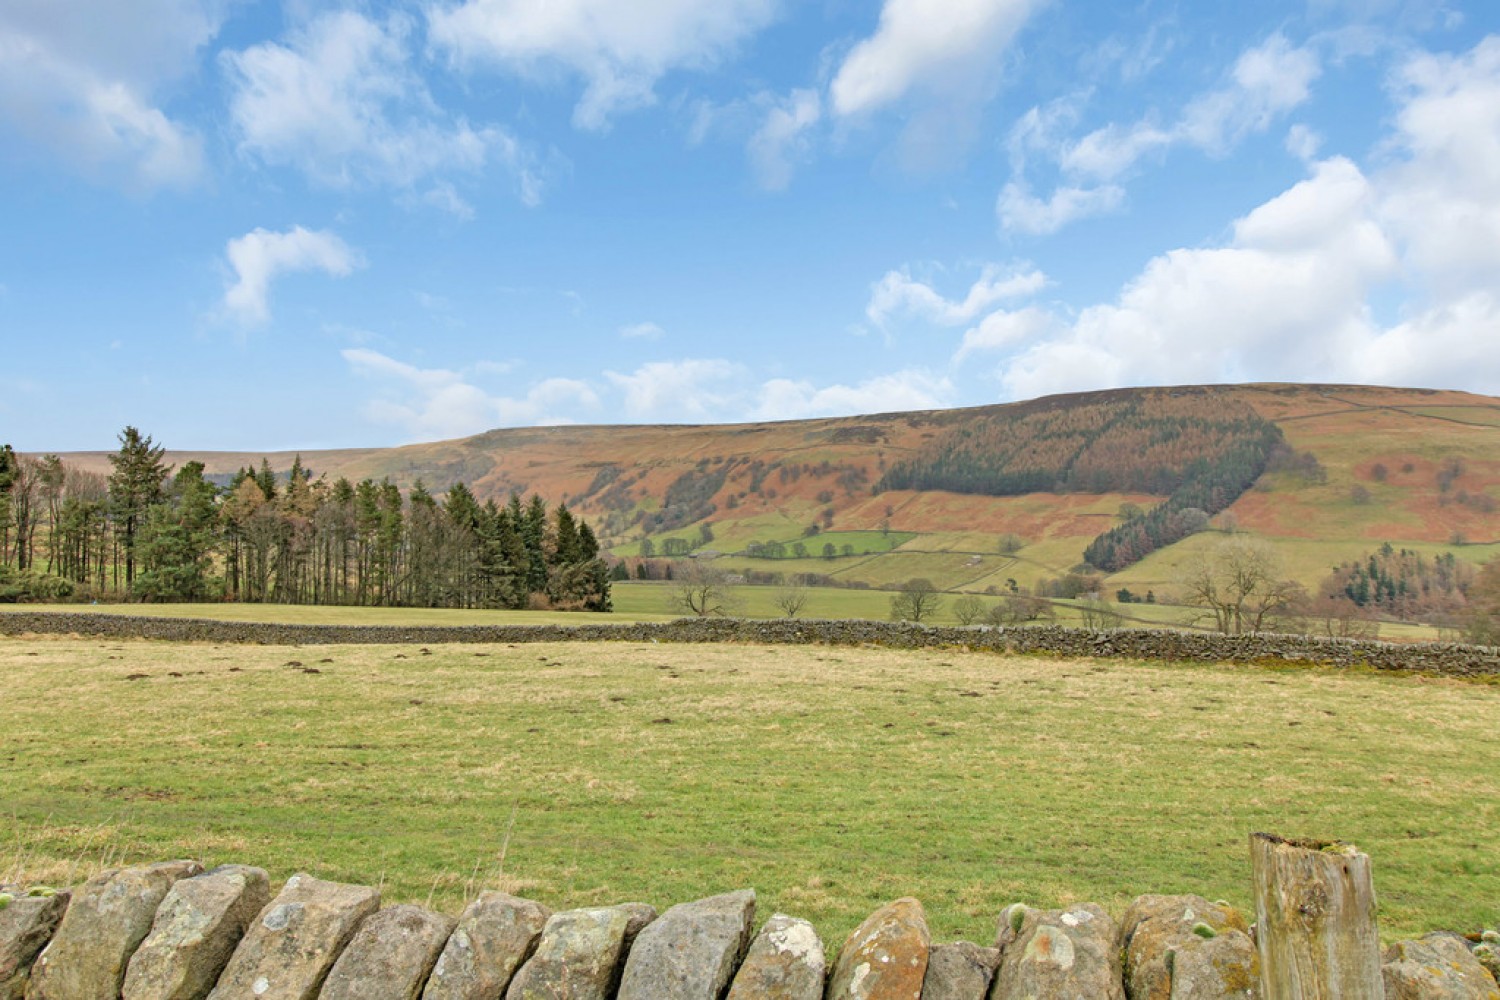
(261, 224)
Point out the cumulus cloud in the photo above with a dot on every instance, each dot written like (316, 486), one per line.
(1287, 294)
(945, 46)
(82, 77)
(437, 403)
(621, 50)
(340, 101)
(692, 388)
(260, 256)
(912, 389)
(1302, 286)
(899, 294)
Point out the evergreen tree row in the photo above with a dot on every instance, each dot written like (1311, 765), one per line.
(141, 534)
(1198, 449)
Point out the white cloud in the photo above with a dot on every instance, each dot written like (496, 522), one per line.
(787, 399)
(693, 388)
(1285, 298)
(437, 403)
(1267, 81)
(945, 46)
(1005, 329)
(782, 138)
(260, 256)
(620, 49)
(1022, 212)
(340, 102)
(898, 293)
(80, 77)
(642, 331)
(1445, 196)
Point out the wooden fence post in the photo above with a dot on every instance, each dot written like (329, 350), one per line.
(1315, 920)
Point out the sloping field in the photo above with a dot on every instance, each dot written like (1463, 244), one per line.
(1406, 466)
(831, 780)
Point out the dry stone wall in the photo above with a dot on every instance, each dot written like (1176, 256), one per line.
(1453, 659)
(172, 931)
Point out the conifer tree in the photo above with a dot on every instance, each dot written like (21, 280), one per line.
(134, 486)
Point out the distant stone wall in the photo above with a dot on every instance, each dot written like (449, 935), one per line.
(1452, 659)
(172, 931)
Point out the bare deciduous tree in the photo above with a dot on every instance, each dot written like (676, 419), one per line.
(791, 598)
(917, 599)
(1238, 586)
(968, 609)
(702, 589)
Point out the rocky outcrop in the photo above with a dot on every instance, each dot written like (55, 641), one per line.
(886, 956)
(292, 944)
(197, 927)
(581, 954)
(691, 951)
(106, 920)
(785, 962)
(1070, 954)
(390, 956)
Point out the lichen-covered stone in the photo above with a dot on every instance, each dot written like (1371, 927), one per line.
(106, 920)
(886, 956)
(1436, 967)
(1186, 948)
(1070, 954)
(27, 923)
(292, 944)
(390, 956)
(581, 954)
(197, 927)
(785, 962)
(691, 951)
(959, 971)
(495, 935)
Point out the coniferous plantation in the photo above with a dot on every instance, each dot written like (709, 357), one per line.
(146, 532)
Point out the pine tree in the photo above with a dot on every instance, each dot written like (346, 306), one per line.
(134, 486)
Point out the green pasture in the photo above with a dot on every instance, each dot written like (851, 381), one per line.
(830, 779)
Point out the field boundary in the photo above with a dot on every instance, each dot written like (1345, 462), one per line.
(1449, 659)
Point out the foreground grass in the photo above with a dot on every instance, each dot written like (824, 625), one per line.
(829, 779)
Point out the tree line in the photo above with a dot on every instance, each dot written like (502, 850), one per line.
(146, 533)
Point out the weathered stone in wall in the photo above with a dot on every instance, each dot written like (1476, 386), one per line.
(495, 935)
(1487, 951)
(390, 956)
(27, 923)
(292, 944)
(886, 956)
(1070, 954)
(105, 922)
(959, 971)
(1186, 948)
(581, 954)
(1436, 967)
(196, 929)
(785, 962)
(691, 951)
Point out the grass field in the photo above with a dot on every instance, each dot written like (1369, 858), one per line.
(831, 780)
